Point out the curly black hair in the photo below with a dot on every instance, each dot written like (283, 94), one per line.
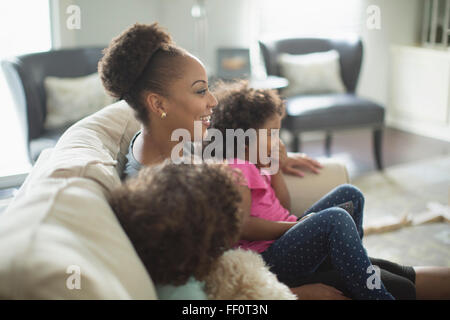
(142, 58)
(180, 218)
(243, 107)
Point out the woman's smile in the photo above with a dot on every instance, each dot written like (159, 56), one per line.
(206, 120)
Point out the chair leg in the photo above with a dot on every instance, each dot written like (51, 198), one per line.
(296, 142)
(328, 139)
(377, 146)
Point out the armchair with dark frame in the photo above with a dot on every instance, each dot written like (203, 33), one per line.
(25, 76)
(327, 112)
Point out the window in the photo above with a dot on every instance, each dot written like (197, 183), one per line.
(24, 28)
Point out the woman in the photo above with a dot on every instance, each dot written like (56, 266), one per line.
(168, 89)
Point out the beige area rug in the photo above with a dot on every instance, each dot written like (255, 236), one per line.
(410, 191)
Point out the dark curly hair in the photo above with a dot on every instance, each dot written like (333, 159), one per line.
(144, 58)
(242, 107)
(180, 218)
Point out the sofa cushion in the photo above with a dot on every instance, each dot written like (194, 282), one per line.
(316, 112)
(306, 191)
(48, 139)
(59, 238)
(95, 147)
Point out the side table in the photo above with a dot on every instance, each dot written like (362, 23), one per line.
(270, 82)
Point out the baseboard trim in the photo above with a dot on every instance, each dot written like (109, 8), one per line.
(427, 130)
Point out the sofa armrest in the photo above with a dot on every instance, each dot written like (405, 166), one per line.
(304, 192)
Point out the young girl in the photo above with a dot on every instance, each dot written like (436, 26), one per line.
(180, 218)
(330, 230)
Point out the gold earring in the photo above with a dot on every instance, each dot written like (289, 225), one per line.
(163, 115)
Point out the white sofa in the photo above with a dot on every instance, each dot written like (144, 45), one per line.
(59, 239)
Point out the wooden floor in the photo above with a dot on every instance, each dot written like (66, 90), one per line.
(355, 148)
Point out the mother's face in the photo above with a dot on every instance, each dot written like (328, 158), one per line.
(189, 98)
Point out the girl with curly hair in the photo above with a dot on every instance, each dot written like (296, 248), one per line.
(181, 219)
(325, 244)
(292, 249)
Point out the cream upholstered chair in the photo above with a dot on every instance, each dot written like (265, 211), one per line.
(59, 239)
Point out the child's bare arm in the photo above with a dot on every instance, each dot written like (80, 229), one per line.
(281, 190)
(255, 229)
(277, 180)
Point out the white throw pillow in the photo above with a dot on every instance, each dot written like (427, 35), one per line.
(71, 99)
(311, 73)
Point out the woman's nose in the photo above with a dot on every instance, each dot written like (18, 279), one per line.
(213, 101)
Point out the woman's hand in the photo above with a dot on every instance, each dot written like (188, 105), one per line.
(292, 165)
(318, 291)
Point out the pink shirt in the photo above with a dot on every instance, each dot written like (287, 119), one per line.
(265, 204)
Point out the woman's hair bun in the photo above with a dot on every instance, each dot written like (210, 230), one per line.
(128, 54)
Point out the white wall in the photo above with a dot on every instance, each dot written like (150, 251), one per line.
(401, 22)
(234, 23)
(228, 22)
(101, 20)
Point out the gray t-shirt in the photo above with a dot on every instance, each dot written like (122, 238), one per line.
(193, 289)
(132, 166)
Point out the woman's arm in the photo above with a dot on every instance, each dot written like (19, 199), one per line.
(256, 229)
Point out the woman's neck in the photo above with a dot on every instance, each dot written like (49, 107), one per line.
(154, 148)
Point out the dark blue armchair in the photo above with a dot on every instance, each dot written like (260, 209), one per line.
(25, 75)
(328, 112)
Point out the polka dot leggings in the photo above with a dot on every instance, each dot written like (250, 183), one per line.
(328, 231)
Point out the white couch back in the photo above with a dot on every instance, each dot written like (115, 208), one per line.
(60, 229)
(59, 239)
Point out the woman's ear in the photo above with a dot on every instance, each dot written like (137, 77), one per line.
(155, 104)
